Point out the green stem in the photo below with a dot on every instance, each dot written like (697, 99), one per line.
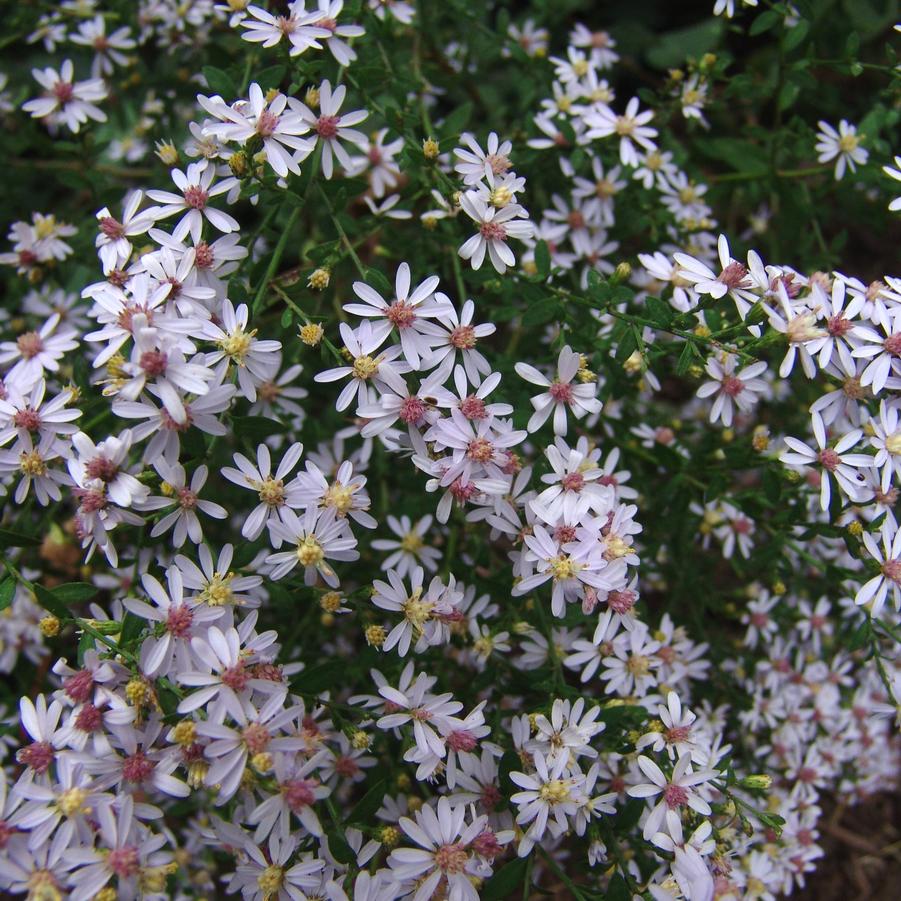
(276, 257)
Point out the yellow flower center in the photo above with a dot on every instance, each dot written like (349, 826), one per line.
(309, 551)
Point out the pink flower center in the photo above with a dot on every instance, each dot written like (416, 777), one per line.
(170, 425)
(235, 677)
(267, 122)
(732, 386)
(178, 622)
(463, 337)
(298, 793)
(64, 91)
(564, 534)
(573, 481)
(400, 314)
(485, 844)
(187, 498)
(347, 767)
(137, 768)
(451, 858)
(124, 862)
(491, 796)
(327, 126)
(675, 796)
(196, 197)
(461, 740)
(562, 392)
(493, 231)
(891, 569)
(480, 449)
(111, 227)
(461, 491)
(621, 602)
(473, 407)
(498, 162)
(741, 526)
(38, 755)
(30, 344)
(101, 468)
(153, 362)
(256, 738)
(838, 326)
(733, 275)
(576, 220)
(677, 734)
(412, 409)
(760, 620)
(204, 256)
(892, 344)
(375, 155)
(79, 685)
(27, 419)
(829, 459)
(89, 719)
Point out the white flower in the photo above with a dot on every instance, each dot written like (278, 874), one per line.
(632, 128)
(187, 503)
(330, 128)
(112, 241)
(874, 592)
(197, 188)
(843, 146)
(298, 26)
(895, 173)
(475, 163)
(67, 101)
(562, 393)
(676, 792)
(411, 550)
(495, 226)
(731, 387)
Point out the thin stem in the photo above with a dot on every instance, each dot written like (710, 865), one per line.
(276, 257)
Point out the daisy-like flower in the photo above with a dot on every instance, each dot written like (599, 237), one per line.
(495, 226)
(274, 495)
(183, 519)
(675, 738)
(733, 279)
(405, 312)
(23, 413)
(843, 146)
(266, 120)
(833, 462)
(455, 333)
(446, 859)
(107, 47)
(198, 186)
(886, 438)
(882, 348)
(838, 313)
(252, 357)
(318, 537)
(873, 593)
(410, 550)
(727, 7)
(475, 164)
(329, 10)
(362, 343)
(112, 239)
(106, 463)
(631, 667)
(631, 127)
(215, 583)
(67, 101)
(740, 389)
(676, 792)
(298, 26)
(34, 352)
(329, 128)
(580, 398)
(378, 163)
(266, 874)
(34, 465)
(550, 796)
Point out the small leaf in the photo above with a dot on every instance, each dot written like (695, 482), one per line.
(7, 593)
(506, 880)
(542, 260)
(8, 538)
(220, 82)
(50, 602)
(366, 807)
(618, 889)
(75, 592)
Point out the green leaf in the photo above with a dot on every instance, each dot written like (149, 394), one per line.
(764, 22)
(687, 358)
(75, 592)
(675, 46)
(618, 889)
(256, 428)
(456, 121)
(377, 279)
(506, 880)
(8, 538)
(321, 678)
(794, 37)
(7, 593)
(338, 846)
(270, 78)
(365, 808)
(542, 260)
(659, 312)
(50, 602)
(220, 82)
(541, 312)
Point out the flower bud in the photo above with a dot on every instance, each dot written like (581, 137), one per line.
(319, 279)
(758, 781)
(49, 626)
(311, 334)
(167, 152)
(430, 148)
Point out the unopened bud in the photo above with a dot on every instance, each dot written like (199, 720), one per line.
(319, 279)
(757, 780)
(311, 334)
(311, 98)
(622, 272)
(375, 636)
(430, 148)
(49, 626)
(238, 164)
(167, 152)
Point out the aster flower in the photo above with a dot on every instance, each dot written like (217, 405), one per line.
(732, 388)
(329, 128)
(299, 26)
(843, 146)
(411, 550)
(874, 592)
(112, 239)
(183, 520)
(580, 399)
(475, 164)
(33, 353)
(495, 226)
(631, 127)
(66, 101)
